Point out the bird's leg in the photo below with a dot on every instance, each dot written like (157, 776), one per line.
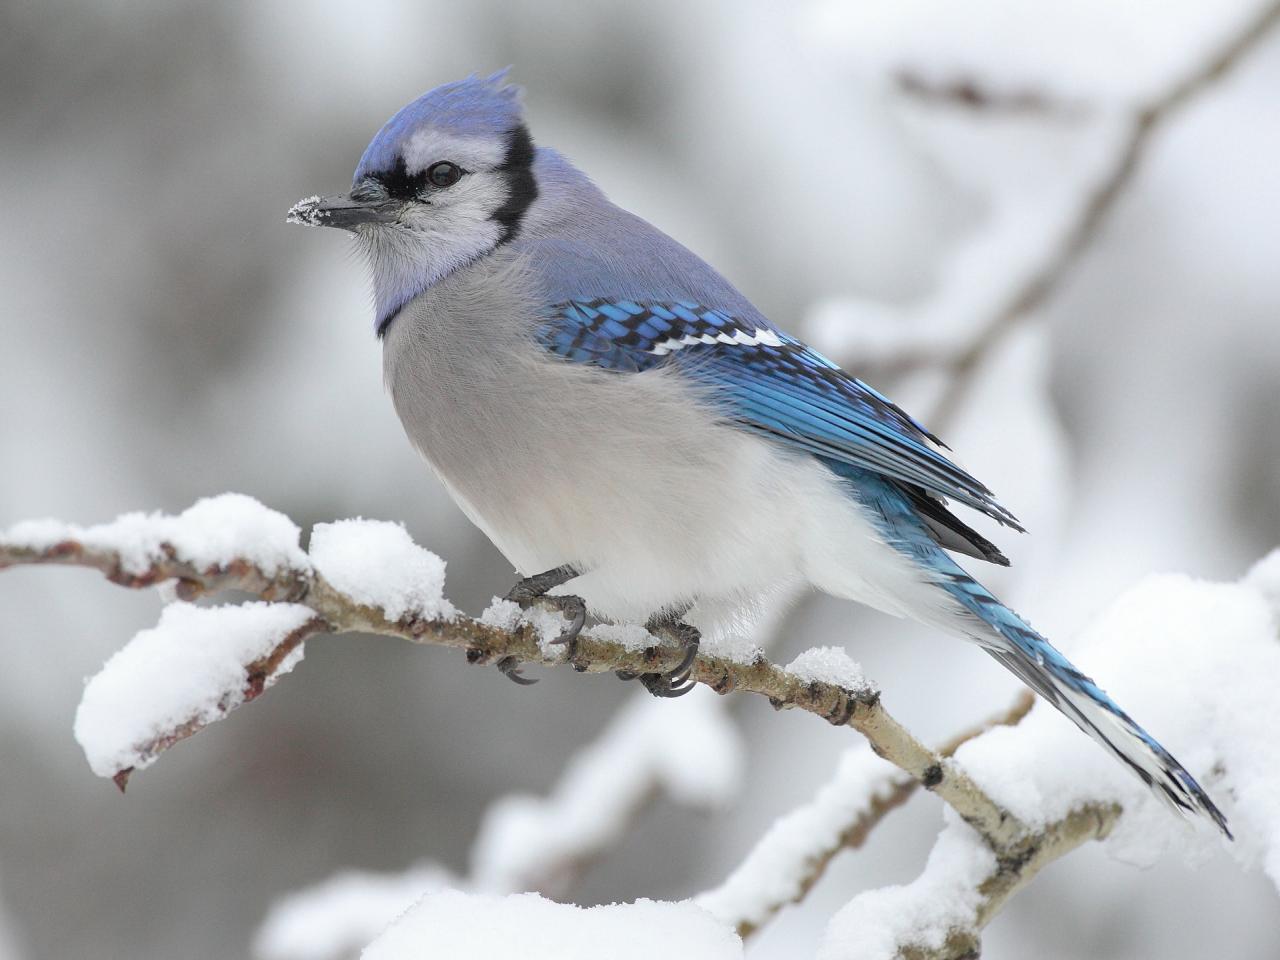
(677, 682)
(532, 591)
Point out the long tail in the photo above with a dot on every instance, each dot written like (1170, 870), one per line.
(1045, 670)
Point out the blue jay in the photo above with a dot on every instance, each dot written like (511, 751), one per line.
(610, 411)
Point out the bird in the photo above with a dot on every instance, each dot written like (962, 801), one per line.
(639, 440)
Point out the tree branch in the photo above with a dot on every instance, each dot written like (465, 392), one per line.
(942, 913)
(969, 93)
(1098, 202)
(483, 643)
(1029, 289)
(974, 870)
(793, 855)
(260, 673)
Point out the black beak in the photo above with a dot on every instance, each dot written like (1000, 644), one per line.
(341, 211)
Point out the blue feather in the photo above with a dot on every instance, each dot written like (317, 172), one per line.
(476, 106)
(772, 384)
(1028, 655)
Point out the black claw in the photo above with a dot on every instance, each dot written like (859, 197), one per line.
(533, 590)
(690, 655)
(575, 610)
(510, 668)
(675, 683)
(664, 687)
(625, 674)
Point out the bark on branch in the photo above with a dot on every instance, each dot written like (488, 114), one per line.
(797, 866)
(483, 643)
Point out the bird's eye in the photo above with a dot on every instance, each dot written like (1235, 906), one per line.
(444, 174)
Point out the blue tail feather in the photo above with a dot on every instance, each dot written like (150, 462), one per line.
(1032, 658)
(1043, 668)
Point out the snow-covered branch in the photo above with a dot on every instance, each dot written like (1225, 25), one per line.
(796, 851)
(1022, 791)
(1212, 698)
(364, 576)
(941, 914)
(689, 751)
(194, 667)
(1029, 245)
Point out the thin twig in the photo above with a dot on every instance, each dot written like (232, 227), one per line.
(969, 93)
(751, 909)
(1009, 875)
(259, 675)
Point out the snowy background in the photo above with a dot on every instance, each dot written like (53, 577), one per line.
(165, 336)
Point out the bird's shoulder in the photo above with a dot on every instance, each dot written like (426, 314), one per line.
(580, 245)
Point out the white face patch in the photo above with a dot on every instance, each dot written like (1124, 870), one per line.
(439, 229)
(738, 338)
(450, 228)
(429, 145)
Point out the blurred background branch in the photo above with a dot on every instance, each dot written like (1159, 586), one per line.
(794, 854)
(958, 352)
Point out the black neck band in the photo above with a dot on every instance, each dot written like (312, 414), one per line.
(522, 189)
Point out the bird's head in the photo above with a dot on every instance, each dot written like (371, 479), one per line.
(446, 181)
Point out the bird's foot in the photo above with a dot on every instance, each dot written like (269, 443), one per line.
(510, 668)
(532, 592)
(572, 609)
(676, 683)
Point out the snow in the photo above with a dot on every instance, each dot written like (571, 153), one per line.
(875, 925)
(1197, 665)
(306, 212)
(549, 624)
(189, 668)
(212, 532)
(376, 563)
(1033, 187)
(1264, 576)
(464, 926)
(507, 615)
(688, 748)
(775, 870)
(502, 614)
(334, 919)
(830, 665)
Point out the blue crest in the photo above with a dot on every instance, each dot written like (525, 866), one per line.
(475, 106)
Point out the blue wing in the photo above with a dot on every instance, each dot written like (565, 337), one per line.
(769, 383)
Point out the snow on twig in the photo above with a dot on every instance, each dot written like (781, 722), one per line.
(485, 643)
(194, 667)
(794, 853)
(376, 563)
(480, 927)
(339, 917)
